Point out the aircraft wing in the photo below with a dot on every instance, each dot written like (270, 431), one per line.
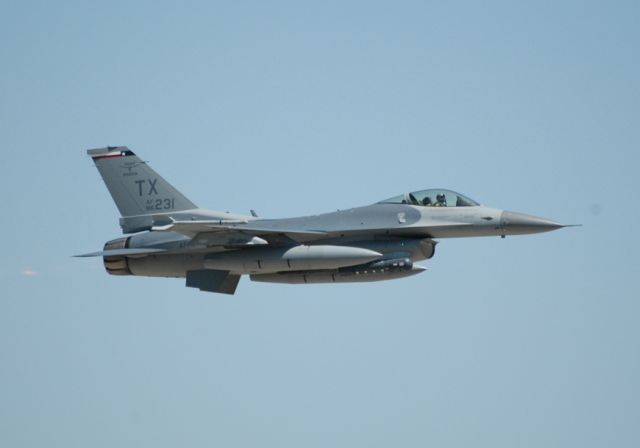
(203, 228)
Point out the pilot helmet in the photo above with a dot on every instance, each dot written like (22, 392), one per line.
(440, 197)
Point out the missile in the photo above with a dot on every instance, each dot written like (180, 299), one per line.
(296, 258)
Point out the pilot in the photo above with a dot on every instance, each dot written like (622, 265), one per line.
(427, 202)
(441, 200)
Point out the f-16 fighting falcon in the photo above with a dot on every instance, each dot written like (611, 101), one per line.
(169, 236)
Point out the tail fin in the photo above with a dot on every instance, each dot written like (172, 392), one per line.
(134, 186)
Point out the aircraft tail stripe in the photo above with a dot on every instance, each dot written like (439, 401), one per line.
(100, 153)
(110, 156)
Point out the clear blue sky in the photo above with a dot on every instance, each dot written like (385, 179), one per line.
(292, 108)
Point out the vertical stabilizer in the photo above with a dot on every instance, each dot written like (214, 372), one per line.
(134, 186)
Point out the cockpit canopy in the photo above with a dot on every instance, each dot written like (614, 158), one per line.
(432, 198)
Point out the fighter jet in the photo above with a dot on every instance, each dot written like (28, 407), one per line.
(169, 236)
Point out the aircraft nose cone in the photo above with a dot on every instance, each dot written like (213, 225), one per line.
(514, 223)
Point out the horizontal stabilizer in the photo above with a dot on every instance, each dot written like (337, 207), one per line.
(198, 226)
(121, 252)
